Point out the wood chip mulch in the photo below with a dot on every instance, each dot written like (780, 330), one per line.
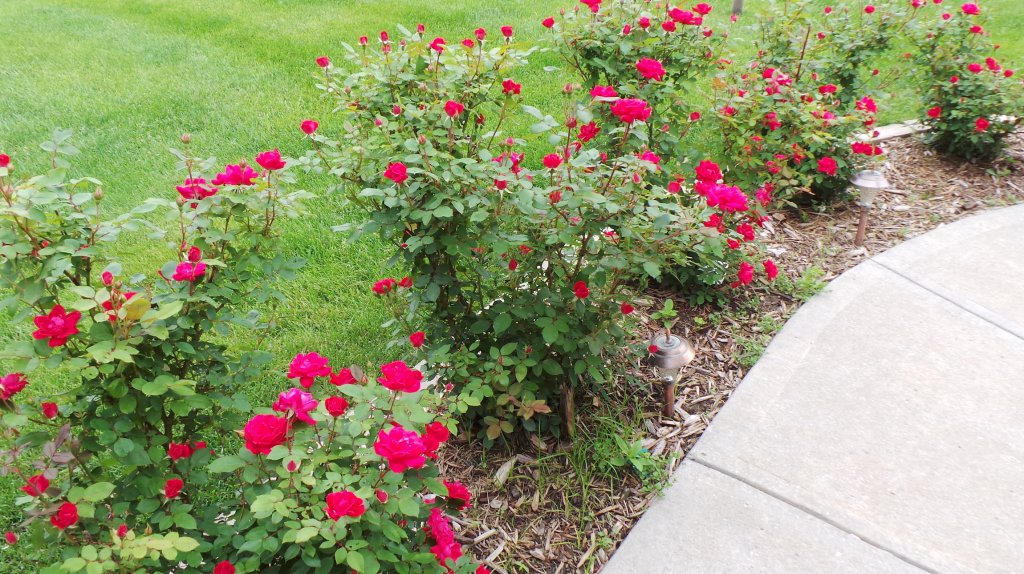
(543, 506)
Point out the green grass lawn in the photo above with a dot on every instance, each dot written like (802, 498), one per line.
(130, 76)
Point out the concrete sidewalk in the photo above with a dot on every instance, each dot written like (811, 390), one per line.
(882, 431)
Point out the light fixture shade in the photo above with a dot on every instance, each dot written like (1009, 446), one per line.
(673, 353)
(869, 182)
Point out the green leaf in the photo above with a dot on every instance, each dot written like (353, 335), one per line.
(503, 322)
(99, 491)
(305, 534)
(409, 507)
(436, 486)
(550, 334)
(355, 560)
(74, 564)
(226, 464)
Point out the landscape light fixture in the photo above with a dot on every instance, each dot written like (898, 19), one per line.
(868, 182)
(672, 355)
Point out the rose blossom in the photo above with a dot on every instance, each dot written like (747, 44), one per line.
(631, 110)
(580, 290)
(401, 448)
(11, 385)
(510, 87)
(434, 434)
(417, 339)
(270, 160)
(552, 161)
(66, 516)
(56, 326)
(935, 112)
(235, 175)
(399, 377)
(298, 402)
(122, 530)
(36, 485)
(336, 406)
(264, 432)
(306, 367)
(5, 160)
(438, 45)
(309, 126)
(49, 410)
(981, 125)
(770, 269)
(867, 9)
(708, 171)
(396, 172)
(594, 5)
(588, 132)
(179, 451)
(343, 377)
(195, 188)
(453, 109)
(506, 31)
(224, 567)
(456, 491)
(344, 503)
(173, 488)
(746, 274)
(626, 308)
(827, 166)
(188, 271)
(971, 9)
(548, 22)
(383, 286)
(650, 69)
(9, 536)
(603, 92)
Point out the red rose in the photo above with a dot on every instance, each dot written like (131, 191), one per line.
(631, 110)
(977, 30)
(981, 125)
(10, 537)
(702, 9)
(309, 126)
(344, 503)
(401, 448)
(626, 309)
(650, 69)
(480, 34)
(954, 80)
(1007, 73)
(5, 160)
(417, 339)
(57, 326)
(382, 496)
(49, 410)
(827, 165)
(975, 68)
(108, 278)
(343, 377)
(66, 516)
(323, 62)
(548, 22)
(453, 109)
(179, 451)
(438, 45)
(594, 5)
(500, 184)
(36, 485)
(552, 160)
(434, 434)
(513, 265)
(770, 269)
(652, 349)
(173, 488)
(384, 286)
(506, 31)
(11, 385)
(298, 403)
(971, 9)
(510, 87)
(935, 112)
(224, 567)
(396, 172)
(644, 22)
(264, 432)
(400, 378)
(336, 406)
(363, 40)
(306, 367)
(270, 160)
(869, 9)
(458, 492)
(122, 530)
(580, 290)
(383, 35)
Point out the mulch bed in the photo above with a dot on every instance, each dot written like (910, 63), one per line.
(544, 517)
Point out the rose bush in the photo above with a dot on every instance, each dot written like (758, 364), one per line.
(638, 50)
(969, 101)
(521, 275)
(788, 115)
(105, 469)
